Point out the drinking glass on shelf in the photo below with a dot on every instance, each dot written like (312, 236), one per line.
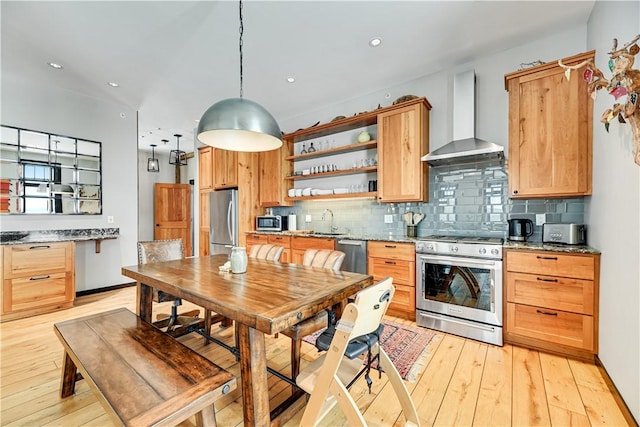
(311, 148)
(304, 150)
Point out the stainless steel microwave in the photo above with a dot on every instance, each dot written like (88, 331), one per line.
(271, 223)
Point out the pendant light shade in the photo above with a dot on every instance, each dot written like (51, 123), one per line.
(153, 165)
(239, 124)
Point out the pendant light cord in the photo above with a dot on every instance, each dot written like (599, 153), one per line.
(241, 33)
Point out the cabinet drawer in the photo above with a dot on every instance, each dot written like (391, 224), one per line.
(554, 326)
(39, 258)
(403, 303)
(403, 272)
(257, 239)
(551, 264)
(392, 250)
(558, 293)
(280, 240)
(312, 243)
(36, 291)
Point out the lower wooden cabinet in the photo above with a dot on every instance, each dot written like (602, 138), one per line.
(552, 301)
(397, 260)
(37, 278)
(300, 244)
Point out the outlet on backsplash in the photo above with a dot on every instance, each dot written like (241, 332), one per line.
(541, 219)
(388, 219)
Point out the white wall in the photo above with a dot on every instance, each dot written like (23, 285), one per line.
(28, 104)
(613, 214)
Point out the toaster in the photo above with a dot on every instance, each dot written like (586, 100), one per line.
(570, 234)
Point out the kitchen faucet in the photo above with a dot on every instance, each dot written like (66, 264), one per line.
(332, 229)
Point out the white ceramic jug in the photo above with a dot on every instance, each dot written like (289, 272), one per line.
(238, 260)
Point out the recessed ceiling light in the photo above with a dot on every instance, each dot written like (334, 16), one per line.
(375, 42)
(113, 84)
(291, 79)
(55, 65)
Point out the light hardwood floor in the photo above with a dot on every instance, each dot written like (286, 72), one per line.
(463, 383)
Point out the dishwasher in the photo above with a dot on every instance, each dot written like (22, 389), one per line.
(355, 251)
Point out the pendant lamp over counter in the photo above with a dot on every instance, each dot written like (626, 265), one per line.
(177, 157)
(153, 164)
(239, 124)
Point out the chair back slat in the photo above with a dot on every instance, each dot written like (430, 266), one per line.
(323, 258)
(267, 252)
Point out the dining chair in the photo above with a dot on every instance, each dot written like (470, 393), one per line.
(321, 258)
(175, 324)
(328, 378)
(267, 251)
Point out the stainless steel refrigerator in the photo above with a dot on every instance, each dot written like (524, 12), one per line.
(223, 215)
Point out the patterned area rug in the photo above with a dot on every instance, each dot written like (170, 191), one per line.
(405, 345)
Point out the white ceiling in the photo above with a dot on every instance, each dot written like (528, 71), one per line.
(174, 59)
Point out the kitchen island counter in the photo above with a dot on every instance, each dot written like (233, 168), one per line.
(53, 236)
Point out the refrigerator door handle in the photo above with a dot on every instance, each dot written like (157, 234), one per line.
(230, 221)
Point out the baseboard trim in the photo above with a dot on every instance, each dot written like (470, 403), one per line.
(628, 416)
(107, 289)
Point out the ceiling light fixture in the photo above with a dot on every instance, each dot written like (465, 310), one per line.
(113, 84)
(239, 124)
(291, 79)
(55, 65)
(177, 157)
(375, 42)
(153, 164)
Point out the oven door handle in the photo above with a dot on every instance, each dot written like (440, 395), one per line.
(457, 261)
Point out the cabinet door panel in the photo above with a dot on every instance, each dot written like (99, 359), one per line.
(551, 264)
(205, 168)
(392, 250)
(404, 302)
(403, 272)
(36, 291)
(402, 140)
(273, 169)
(312, 243)
(39, 258)
(555, 326)
(225, 168)
(557, 293)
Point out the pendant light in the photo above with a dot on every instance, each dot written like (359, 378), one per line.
(239, 124)
(153, 164)
(177, 157)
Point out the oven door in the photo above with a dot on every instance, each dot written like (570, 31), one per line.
(465, 288)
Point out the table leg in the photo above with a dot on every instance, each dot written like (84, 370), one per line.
(69, 370)
(253, 365)
(144, 301)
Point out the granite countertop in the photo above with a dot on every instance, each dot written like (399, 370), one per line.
(48, 236)
(555, 247)
(531, 246)
(348, 236)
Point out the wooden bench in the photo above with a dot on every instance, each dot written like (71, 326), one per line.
(141, 376)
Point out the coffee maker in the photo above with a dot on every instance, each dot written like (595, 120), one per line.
(520, 229)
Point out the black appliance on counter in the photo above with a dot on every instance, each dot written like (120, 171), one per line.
(520, 229)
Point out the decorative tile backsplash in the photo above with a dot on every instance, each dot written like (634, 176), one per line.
(463, 200)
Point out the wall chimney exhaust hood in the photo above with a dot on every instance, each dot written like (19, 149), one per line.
(465, 148)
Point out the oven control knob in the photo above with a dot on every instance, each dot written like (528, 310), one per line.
(494, 251)
(454, 249)
(430, 247)
(483, 251)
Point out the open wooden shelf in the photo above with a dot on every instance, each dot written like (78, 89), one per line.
(368, 194)
(334, 173)
(338, 150)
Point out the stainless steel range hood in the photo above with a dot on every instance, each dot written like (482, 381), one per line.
(465, 148)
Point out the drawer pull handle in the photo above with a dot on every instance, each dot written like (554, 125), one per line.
(555, 258)
(390, 246)
(542, 279)
(40, 277)
(40, 247)
(547, 313)
(390, 262)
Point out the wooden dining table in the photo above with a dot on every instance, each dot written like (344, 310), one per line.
(267, 299)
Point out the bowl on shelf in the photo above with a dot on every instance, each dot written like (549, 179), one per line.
(340, 190)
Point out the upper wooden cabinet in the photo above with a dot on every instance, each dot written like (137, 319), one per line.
(273, 169)
(550, 131)
(225, 168)
(217, 168)
(403, 138)
(205, 168)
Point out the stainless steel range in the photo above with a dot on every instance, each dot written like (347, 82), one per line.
(459, 286)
